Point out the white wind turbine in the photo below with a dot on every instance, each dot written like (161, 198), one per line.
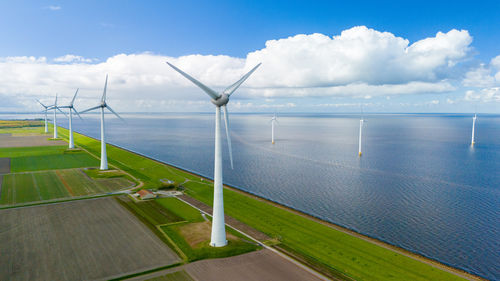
(473, 129)
(361, 121)
(45, 113)
(273, 120)
(218, 237)
(56, 108)
(102, 106)
(71, 109)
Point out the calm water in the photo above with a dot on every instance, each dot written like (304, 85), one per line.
(419, 184)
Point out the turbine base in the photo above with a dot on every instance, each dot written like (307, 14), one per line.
(217, 245)
(360, 154)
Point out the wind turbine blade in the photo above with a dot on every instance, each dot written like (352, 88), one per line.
(62, 112)
(55, 103)
(103, 99)
(213, 94)
(226, 121)
(73, 100)
(110, 109)
(92, 108)
(78, 114)
(230, 90)
(42, 104)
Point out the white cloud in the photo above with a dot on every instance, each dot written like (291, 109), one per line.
(357, 90)
(53, 8)
(357, 55)
(73, 59)
(484, 75)
(484, 95)
(360, 62)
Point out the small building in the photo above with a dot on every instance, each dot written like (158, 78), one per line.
(145, 194)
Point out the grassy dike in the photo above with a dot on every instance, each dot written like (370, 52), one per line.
(334, 252)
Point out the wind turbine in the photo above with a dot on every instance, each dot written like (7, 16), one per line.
(45, 112)
(102, 106)
(71, 109)
(273, 120)
(361, 121)
(473, 129)
(56, 108)
(218, 237)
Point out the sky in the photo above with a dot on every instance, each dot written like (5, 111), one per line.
(317, 56)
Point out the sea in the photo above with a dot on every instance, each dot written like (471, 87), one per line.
(419, 183)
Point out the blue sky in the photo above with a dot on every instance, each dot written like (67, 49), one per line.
(95, 31)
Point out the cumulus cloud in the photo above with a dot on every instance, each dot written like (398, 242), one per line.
(357, 55)
(360, 62)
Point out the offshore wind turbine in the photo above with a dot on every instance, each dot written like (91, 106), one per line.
(218, 236)
(102, 106)
(46, 108)
(473, 129)
(361, 121)
(71, 109)
(273, 120)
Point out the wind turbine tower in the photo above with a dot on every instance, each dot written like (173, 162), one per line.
(56, 108)
(473, 129)
(273, 120)
(218, 237)
(55, 118)
(71, 109)
(361, 121)
(45, 113)
(102, 106)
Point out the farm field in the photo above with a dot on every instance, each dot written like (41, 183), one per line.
(39, 158)
(78, 240)
(30, 187)
(27, 140)
(254, 266)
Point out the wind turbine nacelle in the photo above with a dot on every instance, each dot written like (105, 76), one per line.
(221, 101)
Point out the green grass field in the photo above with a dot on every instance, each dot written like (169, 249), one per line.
(334, 250)
(170, 215)
(155, 213)
(40, 158)
(21, 188)
(15, 129)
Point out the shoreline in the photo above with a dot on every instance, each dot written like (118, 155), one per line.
(416, 256)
